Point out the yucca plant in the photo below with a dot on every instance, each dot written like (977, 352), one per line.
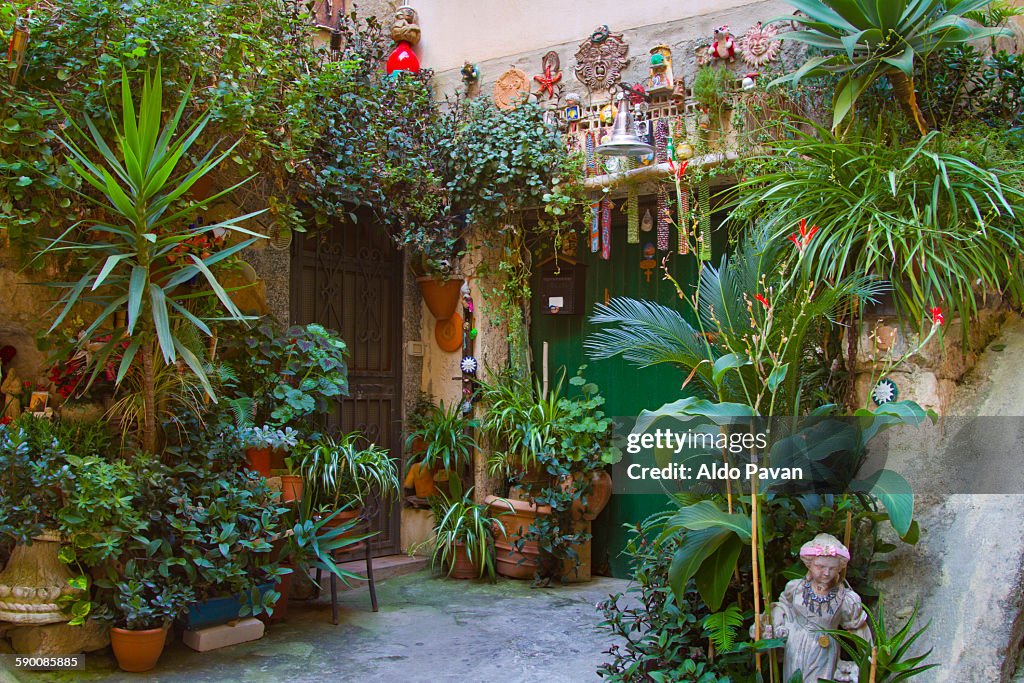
(866, 39)
(937, 218)
(132, 264)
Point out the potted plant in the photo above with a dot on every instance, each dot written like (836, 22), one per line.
(340, 474)
(464, 531)
(555, 449)
(143, 604)
(292, 485)
(442, 433)
(259, 442)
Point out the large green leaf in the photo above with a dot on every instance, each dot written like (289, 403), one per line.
(894, 493)
(695, 547)
(707, 515)
(716, 572)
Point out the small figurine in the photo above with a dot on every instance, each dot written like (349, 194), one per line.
(470, 73)
(724, 46)
(750, 80)
(820, 601)
(406, 26)
(661, 78)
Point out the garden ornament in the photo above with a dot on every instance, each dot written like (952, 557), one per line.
(600, 59)
(724, 46)
(406, 26)
(470, 73)
(758, 46)
(661, 78)
(808, 607)
(750, 80)
(549, 80)
(511, 89)
(405, 31)
(572, 107)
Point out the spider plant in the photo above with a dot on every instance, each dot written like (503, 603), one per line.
(507, 400)
(461, 522)
(864, 40)
(940, 218)
(340, 471)
(445, 431)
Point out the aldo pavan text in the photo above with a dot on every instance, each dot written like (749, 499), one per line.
(713, 472)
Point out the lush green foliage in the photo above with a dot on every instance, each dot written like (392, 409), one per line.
(246, 52)
(757, 326)
(864, 40)
(345, 470)
(891, 652)
(458, 520)
(283, 376)
(937, 217)
(130, 258)
(961, 86)
(445, 431)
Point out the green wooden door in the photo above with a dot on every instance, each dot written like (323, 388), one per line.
(626, 388)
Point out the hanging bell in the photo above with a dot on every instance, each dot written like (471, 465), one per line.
(624, 141)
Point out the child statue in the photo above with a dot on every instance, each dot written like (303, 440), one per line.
(820, 601)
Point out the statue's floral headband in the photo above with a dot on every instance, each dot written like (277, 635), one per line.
(824, 551)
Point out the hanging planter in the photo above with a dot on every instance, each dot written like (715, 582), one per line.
(441, 296)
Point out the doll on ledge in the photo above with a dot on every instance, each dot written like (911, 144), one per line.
(820, 601)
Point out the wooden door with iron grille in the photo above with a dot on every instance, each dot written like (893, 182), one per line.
(349, 278)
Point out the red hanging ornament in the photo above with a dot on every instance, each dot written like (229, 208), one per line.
(402, 58)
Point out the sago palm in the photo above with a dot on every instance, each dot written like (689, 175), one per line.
(717, 352)
(866, 39)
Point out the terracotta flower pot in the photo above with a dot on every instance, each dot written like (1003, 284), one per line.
(516, 516)
(598, 497)
(441, 296)
(258, 460)
(291, 487)
(137, 651)
(462, 567)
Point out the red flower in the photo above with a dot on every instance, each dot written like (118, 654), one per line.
(937, 317)
(678, 170)
(5, 420)
(803, 238)
(764, 301)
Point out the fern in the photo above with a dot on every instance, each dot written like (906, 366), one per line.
(721, 627)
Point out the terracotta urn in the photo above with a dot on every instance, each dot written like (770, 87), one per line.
(291, 487)
(33, 581)
(516, 516)
(258, 460)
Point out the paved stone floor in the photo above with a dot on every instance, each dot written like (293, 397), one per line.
(428, 630)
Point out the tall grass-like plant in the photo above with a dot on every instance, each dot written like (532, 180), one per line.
(339, 470)
(445, 431)
(130, 263)
(864, 40)
(938, 218)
